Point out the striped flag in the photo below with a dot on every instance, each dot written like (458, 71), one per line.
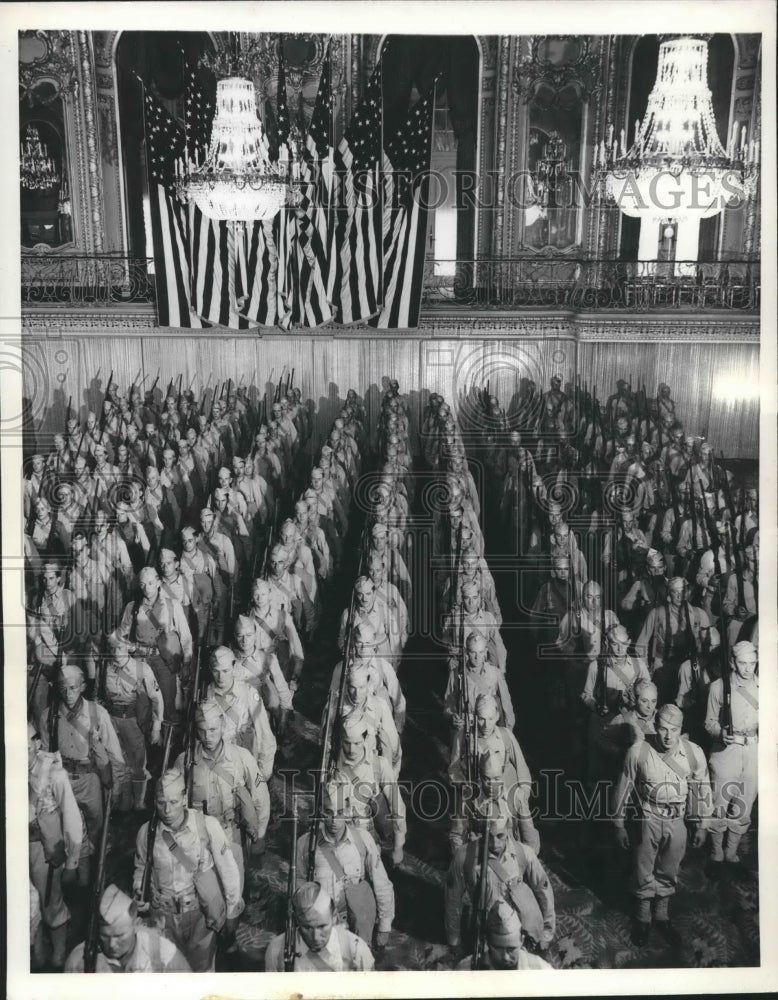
(164, 145)
(406, 193)
(357, 243)
(315, 208)
(287, 283)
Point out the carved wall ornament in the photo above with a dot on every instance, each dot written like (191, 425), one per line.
(561, 70)
(46, 57)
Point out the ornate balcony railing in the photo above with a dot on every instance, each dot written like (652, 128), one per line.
(86, 280)
(567, 283)
(509, 283)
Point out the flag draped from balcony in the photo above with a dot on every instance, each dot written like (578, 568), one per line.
(164, 144)
(406, 194)
(356, 248)
(315, 215)
(287, 282)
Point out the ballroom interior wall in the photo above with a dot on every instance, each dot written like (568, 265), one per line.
(715, 385)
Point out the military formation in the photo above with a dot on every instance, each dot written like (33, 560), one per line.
(188, 560)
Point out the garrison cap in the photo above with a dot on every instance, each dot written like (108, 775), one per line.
(672, 713)
(503, 927)
(208, 710)
(115, 904)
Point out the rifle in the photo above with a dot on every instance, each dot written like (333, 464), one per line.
(288, 383)
(480, 913)
(277, 396)
(693, 512)
(601, 685)
(347, 648)
(710, 525)
(191, 731)
(290, 931)
(313, 834)
(53, 720)
(213, 402)
(726, 678)
(737, 554)
(151, 834)
(575, 603)
(90, 944)
(691, 645)
(469, 734)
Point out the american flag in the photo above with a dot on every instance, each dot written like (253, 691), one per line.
(315, 208)
(357, 251)
(165, 143)
(287, 268)
(406, 193)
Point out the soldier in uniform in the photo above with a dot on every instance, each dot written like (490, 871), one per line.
(669, 776)
(51, 631)
(56, 831)
(375, 710)
(202, 572)
(398, 574)
(381, 677)
(734, 753)
(88, 581)
(663, 639)
(133, 699)
(347, 864)
(125, 943)
(505, 943)
(370, 785)
(227, 783)
(497, 745)
(246, 721)
(474, 617)
(189, 903)
(88, 745)
(276, 633)
(630, 724)
(289, 592)
(157, 630)
(321, 944)
(368, 611)
(261, 670)
(514, 874)
(219, 547)
(481, 677)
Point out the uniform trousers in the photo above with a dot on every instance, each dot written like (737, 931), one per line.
(133, 746)
(660, 849)
(733, 773)
(190, 934)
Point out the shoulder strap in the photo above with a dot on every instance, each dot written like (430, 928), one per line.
(359, 840)
(93, 719)
(332, 860)
(155, 947)
(347, 944)
(690, 754)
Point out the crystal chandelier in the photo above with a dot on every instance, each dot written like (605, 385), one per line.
(237, 182)
(677, 169)
(38, 170)
(548, 181)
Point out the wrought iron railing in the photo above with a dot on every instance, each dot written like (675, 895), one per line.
(87, 279)
(510, 283)
(568, 283)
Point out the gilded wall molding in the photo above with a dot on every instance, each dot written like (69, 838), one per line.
(93, 164)
(583, 327)
(501, 142)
